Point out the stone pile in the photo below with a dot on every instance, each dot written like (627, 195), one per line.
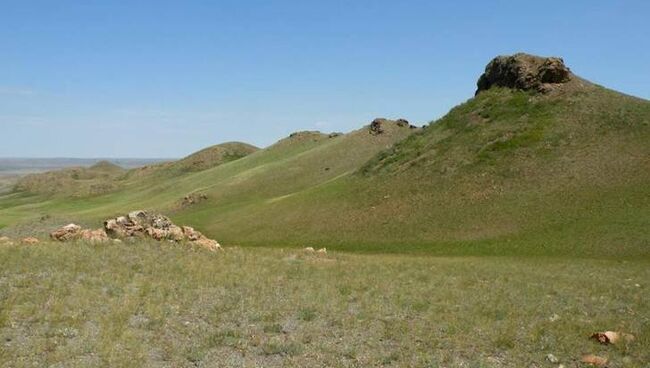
(193, 198)
(140, 224)
(136, 225)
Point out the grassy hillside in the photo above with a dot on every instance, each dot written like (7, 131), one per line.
(202, 160)
(73, 182)
(508, 172)
(302, 161)
(105, 177)
(559, 169)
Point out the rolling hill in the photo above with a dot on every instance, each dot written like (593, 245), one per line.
(73, 182)
(539, 162)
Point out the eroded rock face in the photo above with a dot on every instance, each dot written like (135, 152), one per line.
(376, 126)
(524, 72)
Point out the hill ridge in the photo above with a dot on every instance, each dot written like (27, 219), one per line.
(551, 167)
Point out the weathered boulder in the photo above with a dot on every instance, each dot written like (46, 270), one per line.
(73, 232)
(207, 243)
(171, 232)
(66, 233)
(94, 236)
(376, 127)
(524, 72)
(30, 240)
(197, 238)
(122, 228)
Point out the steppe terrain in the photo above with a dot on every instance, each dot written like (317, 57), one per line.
(503, 234)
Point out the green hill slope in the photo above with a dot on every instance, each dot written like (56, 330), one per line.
(539, 162)
(302, 161)
(105, 177)
(202, 160)
(512, 171)
(74, 182)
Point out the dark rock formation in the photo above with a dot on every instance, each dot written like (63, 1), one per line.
(524, 72)
(380, 125)
(376, 126)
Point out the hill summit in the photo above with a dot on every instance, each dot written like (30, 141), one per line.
(105, 165)
(525, 72)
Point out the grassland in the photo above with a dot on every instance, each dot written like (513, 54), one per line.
(512, 228)
(507, 173)
(158, 305)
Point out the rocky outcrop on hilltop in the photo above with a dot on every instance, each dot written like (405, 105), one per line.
(378, 126)
(524, 72)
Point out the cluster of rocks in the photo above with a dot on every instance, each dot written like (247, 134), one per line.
(140, 224)
(524, 72)
(377, 126)
(136, 225)
(192, 199)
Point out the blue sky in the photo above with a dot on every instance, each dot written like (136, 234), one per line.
(166, 78)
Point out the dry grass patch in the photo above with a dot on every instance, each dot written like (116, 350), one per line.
(155, 305)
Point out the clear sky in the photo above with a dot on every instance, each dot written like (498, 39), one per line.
(165, 78)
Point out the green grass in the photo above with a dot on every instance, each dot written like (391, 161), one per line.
(78, 305)
(507, 173)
